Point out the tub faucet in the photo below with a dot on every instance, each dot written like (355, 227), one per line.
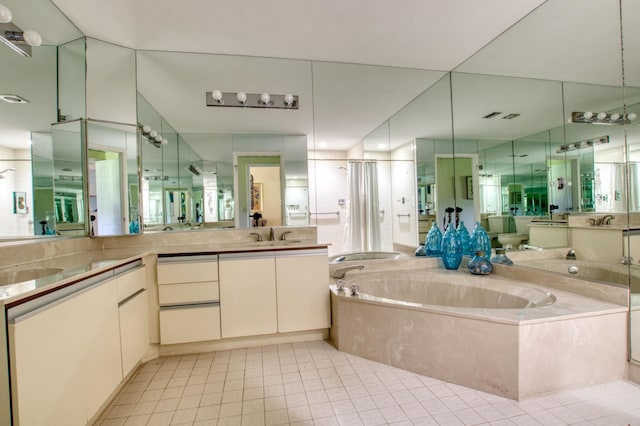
(272, 235)
(528, 247)
(626, 260)
(340, 273)
(571, 255)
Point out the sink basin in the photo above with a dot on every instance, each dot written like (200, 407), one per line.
(21, 275)
(276, 243)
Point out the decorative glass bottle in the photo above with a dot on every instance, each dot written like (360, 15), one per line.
(480, 241)
(465, 239)
(451, 250)
(433, 242)
(479, 265)
(501, 258)
(420, 251)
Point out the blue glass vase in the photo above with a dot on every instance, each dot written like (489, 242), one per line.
(501, 258)
(451, 250)
(433, 242)
(465, 239)
(480, 241)
(479, 264)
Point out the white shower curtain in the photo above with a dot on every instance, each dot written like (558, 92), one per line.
(363, 228)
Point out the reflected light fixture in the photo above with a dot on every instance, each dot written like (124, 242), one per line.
(14, 37)
(602, 117)
(588, 143)
(251, 100)
(152, 136)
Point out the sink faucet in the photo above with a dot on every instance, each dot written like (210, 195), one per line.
(258, 236)
(283, 237)
(571, 255)
(272, 235)
(606, 220)
(340, 273)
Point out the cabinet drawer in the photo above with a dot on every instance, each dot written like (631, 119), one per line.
(185, 324)
(188, 292)
(187, 272)
(131, 282)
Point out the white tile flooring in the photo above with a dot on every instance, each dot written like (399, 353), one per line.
(314, 384)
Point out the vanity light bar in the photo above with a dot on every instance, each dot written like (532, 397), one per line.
(583, 144)
(602, 117)
(216, 98)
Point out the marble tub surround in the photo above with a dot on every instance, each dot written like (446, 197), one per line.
(516, 353)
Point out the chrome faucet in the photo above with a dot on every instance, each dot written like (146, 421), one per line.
(258, 236)
(606, 220)
(272, 235)
(571, 255)
(340, 273)
(528, 247)
(283, 237)
(626, 260)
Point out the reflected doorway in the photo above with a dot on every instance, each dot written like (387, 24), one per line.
(107, 195)
(259, 191)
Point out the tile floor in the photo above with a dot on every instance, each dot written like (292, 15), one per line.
(314, 384)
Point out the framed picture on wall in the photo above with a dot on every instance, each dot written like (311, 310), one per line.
(469, 181)
(256, 197)
(19, 202)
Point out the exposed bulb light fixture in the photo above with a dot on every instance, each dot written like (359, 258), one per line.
(288, 99)
(152, 136)
(14, 37)
(251, 100)
(601, 118)
(5, 14)
(217, 96)
(588, 143)
(265, 98)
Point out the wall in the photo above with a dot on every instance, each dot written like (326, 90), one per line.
(18, 181)
(404, 190)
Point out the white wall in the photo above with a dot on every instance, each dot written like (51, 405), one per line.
(404, 192)
(18, 181)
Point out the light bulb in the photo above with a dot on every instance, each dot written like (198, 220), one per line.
(5, 14)
(601, 115)
(158, 138)
(217, 96)
(265, 98)
(146, 128)
(32, 38)
(288, 99)
(615, 116)
(587, 115)
(242, 97)
(153, 134)
(632, 116)
(164, 141)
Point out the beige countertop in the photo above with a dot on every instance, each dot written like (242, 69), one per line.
(59, 271)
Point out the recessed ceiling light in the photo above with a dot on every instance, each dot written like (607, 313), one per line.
(511, 116)
(492, 115)
(14, 99)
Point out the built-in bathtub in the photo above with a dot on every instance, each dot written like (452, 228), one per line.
(365, 255)
(491, 333)
(584, 269)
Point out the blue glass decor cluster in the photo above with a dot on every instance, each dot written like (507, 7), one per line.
(451, 248)
(480, 241)
(433, 242)
(501, 258)
(479, 264)
(465, 239)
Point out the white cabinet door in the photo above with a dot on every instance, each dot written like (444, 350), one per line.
(247, 294)
(303, 290)
(134, 330)
(65, 358)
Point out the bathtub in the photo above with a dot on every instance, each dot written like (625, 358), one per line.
(585, 269)
(364, 255)
(490, 333)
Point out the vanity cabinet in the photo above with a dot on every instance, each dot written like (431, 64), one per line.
(248, 294)
(189, 298)
(274, 291)
(302, 290)
(66, 352)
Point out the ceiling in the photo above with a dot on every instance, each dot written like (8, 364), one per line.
(370, 58)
